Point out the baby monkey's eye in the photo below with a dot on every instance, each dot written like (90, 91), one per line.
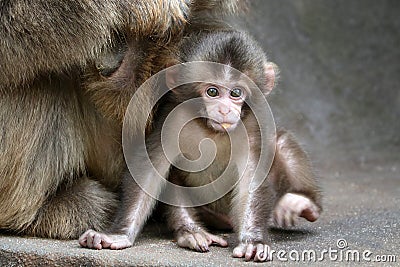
(212, 91)
(236, 92)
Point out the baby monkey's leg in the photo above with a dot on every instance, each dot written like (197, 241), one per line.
(294, 182)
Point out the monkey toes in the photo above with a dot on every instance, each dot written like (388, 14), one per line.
(249, 251)
(291, 207)
(199, 240)
(96, 240)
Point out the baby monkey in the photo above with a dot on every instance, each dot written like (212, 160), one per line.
(220, 108)
(289, 191)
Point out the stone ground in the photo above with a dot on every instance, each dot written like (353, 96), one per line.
(361, 209)
(340, 94)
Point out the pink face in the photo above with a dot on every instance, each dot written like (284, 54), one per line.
(223, 106)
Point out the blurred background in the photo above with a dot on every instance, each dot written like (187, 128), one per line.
(339, 90)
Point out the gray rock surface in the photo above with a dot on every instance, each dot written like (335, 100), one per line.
(340, 94)
(365, 213)
(340, 65)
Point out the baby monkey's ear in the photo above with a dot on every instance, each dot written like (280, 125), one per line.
(271, 72)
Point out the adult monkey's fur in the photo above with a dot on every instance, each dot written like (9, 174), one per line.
(61, 156)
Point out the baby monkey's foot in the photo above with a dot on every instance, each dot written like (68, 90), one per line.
(292, 206)
(250, 251)
(198, 239)
(96, 240)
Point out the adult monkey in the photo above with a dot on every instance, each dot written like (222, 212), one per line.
(55, 179)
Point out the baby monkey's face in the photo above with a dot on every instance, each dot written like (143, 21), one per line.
(223, 106)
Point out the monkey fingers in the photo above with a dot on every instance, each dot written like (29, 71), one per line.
(199, 240)
(257, 252)
(291, 207)
(96, 240)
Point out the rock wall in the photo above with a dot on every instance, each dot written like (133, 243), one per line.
(340, 75)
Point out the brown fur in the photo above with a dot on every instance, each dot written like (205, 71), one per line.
(60, 138)
(41, 36)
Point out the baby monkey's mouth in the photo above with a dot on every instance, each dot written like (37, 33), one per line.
(222, 126)
(226, 125)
